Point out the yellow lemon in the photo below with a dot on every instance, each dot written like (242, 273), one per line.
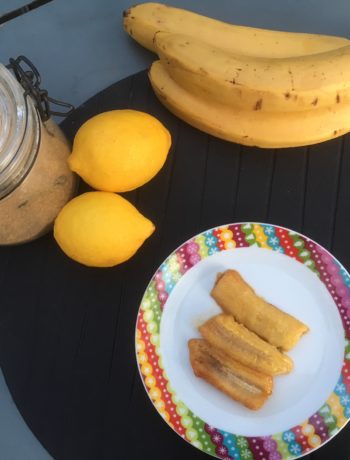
(101, 229)
(119, 150)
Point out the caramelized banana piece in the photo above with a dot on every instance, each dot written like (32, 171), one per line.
(237, 298)
(223, 332)
(233, 379)
(262, 381)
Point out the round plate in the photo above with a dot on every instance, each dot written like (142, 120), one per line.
(311, 404)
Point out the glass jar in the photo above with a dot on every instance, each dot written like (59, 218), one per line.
(35, 181)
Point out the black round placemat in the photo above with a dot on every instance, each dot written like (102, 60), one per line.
(67, 331)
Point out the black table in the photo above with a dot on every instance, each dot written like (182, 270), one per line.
(67, 331)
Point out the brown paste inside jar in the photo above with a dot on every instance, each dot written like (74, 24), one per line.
(29, 211)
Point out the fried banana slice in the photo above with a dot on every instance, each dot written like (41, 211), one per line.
(238, 382)
(223, 332)
(239, 299)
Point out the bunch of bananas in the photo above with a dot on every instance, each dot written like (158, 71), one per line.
(256, 87)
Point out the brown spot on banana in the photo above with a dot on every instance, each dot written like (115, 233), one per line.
(126, 13)
(287, 95)
(337, 98)
(258, 104)
(335, 132)
(291, 79)
(155, 36)
(315, 101)
(233, 82)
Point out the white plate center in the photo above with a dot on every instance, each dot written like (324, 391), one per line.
(318, 357)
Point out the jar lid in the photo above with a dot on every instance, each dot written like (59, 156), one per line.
(13, 117)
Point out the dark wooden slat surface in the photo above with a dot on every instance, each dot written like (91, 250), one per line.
(340, 239)
(322, 190)
(67, 331)
(288, 188)
(218, 202)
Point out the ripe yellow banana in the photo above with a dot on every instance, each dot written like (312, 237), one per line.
(249, 127)
(144, 20)
(250, 83)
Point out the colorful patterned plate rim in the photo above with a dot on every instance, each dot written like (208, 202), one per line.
(293, 258)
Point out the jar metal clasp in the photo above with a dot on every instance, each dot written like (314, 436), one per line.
(29, 77)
